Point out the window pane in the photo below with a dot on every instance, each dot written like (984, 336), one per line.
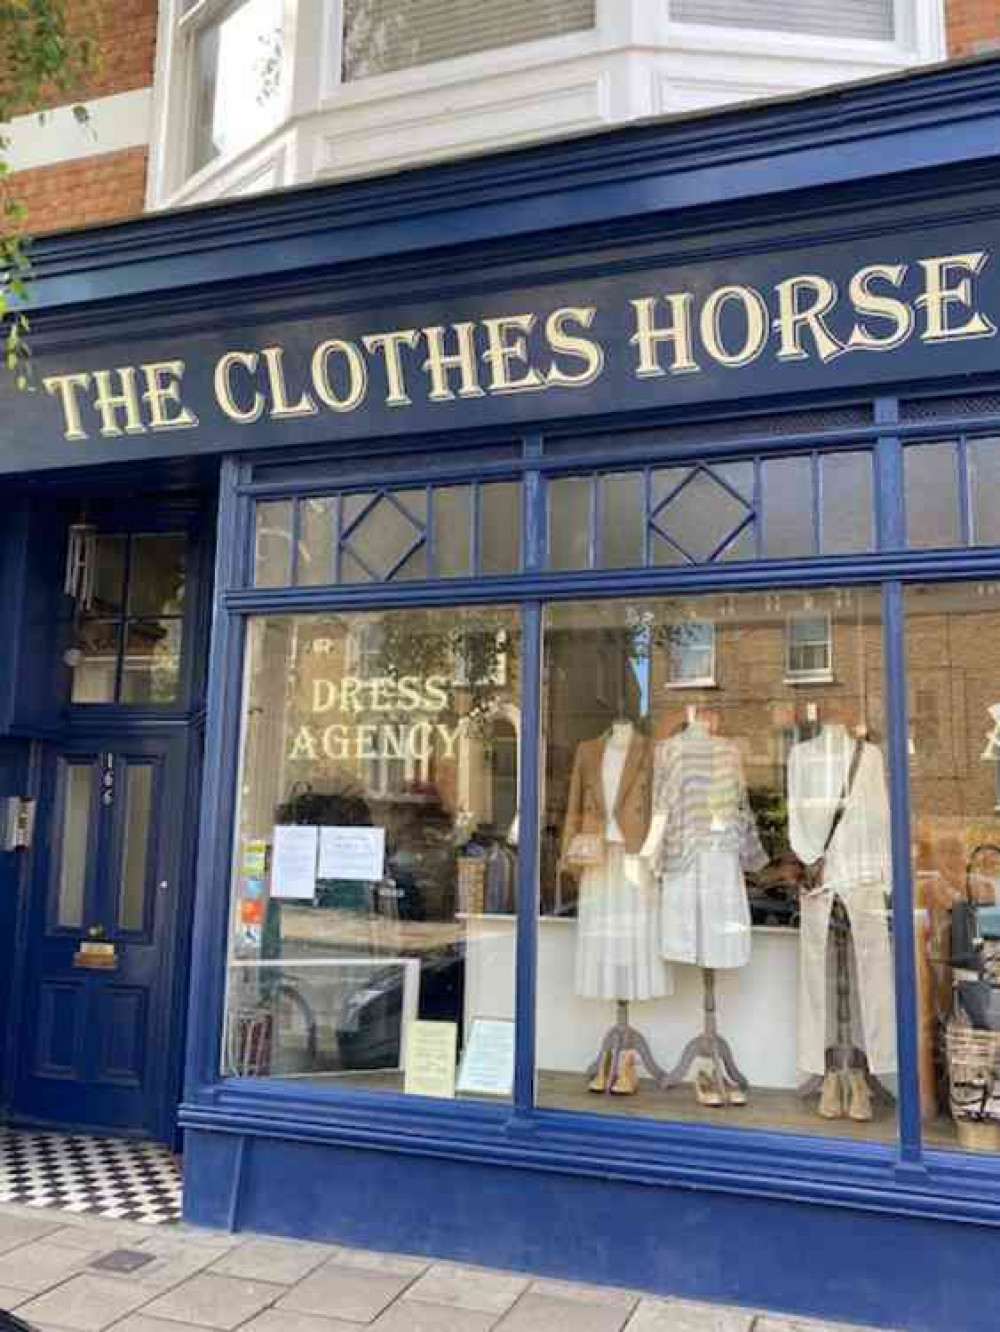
(984, 487)
(77, 782)
(453, 532)
(109, 576)
(152, 662)
(700, 517)
(952, 636)
(848, 504)
(381, 36)
(677, 828)
(500, 528)
(623, 521)
(385, 537)
(931, 478)
(95, 662)
(317, 542)
(273, 545)
(871, 19)
(158, 575)
(789, 528)
(237, 79)
(374, 891)
(135, 868)
(570, 515)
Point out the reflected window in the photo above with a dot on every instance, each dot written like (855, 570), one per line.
(809, 648)
(127, 648)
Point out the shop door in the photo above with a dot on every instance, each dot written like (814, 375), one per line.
(98, 1035)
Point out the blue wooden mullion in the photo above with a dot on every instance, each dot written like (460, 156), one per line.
(890, 479)
(904, 932)
(528, 861)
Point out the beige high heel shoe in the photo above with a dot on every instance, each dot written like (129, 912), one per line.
(627, 1081)
(599, 1083)
(706, 1092)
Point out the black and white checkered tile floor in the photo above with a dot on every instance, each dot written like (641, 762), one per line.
(109, 1177)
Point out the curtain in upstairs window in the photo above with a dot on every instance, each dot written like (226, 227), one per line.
(871, 19)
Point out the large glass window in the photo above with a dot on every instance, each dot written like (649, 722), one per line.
(715, 942)
(952, 635)
(375, 866)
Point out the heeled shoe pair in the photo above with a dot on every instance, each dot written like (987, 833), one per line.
(716, 1093)
(626, 1081)
(846, 1095)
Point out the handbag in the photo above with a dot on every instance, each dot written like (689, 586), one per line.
(585, 851)
(814, 872)
(973, 923)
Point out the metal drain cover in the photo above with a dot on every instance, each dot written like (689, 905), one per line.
(122, 1260)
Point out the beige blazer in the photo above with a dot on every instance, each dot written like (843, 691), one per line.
(587, 812)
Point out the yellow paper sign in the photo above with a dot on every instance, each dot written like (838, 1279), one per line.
(431, 1053)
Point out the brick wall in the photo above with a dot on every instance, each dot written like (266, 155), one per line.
(111, 186)
(107, 188)
(973, 26)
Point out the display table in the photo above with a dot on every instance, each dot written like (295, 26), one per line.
(757, 1004)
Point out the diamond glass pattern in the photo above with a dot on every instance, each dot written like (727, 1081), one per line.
(699, 517)
(382, 537)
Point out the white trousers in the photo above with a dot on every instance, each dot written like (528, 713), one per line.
(873, 1009)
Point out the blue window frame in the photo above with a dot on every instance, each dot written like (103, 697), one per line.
(845, 463)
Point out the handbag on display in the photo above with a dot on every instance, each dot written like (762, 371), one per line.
(585, 851)
(974, 923)
(813, 874)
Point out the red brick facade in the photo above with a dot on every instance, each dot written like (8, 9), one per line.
(112, 186)
(973, 26)
(107, 188)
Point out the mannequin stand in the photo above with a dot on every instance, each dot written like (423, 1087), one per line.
(623, 1036)
(844, 1055)
(708, 1045)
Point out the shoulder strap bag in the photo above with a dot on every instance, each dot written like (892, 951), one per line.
(814, 872)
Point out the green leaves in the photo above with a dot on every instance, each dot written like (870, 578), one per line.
(47, 51)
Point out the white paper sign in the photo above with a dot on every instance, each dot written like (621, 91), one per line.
(293, 862)
(488, 1060)
(352, 853)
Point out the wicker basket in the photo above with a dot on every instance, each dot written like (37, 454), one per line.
(973, 1072)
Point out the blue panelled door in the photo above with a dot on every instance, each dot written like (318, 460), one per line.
(96, 1044)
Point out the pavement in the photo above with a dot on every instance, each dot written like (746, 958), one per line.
(66, 1273)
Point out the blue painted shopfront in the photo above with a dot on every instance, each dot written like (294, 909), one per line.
(812, 281)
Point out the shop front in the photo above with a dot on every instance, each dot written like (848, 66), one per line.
(598, 866)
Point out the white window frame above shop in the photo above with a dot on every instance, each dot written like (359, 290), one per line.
(635, 63)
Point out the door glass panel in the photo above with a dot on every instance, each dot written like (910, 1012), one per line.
(95, 658)
(151, 667)
(109, 575)
(158, 574)
(77, 781)
(135, 847)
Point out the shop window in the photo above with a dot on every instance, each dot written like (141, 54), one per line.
(383, 36)
(235, 50)
(389, 535)
(778, 508)
(375, 878)
(127, 646)
(808, 649)
(870, 19)
(984, 488)
(680, 842)
(932, 495)
(952, 639)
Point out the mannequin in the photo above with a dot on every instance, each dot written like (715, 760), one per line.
(616, 953)
(850, 906)
(702, 837)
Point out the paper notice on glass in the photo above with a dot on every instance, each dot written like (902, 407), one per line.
(431, 1051)
(293, 861)
(352, 853)
(488, 1061)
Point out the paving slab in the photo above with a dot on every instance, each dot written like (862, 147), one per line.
(214, 1301)
(420, 1316)
(611, 1296)
(469, 1288)
(545, 1313)
(11, 1298)
(280, 1261)
(16, 1229)
(286, 1320)
(84, 1304)
(777, 1323)
(353, 1294)
(684, 1316)
(391, 1264)
(140, 1322)
(36, 1267)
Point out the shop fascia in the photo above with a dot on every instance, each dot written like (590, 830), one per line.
(804, 317)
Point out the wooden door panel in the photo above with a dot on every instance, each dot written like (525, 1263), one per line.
(60, 1028)
(121, 1014)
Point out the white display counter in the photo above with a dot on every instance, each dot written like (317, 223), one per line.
(757, 1004)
